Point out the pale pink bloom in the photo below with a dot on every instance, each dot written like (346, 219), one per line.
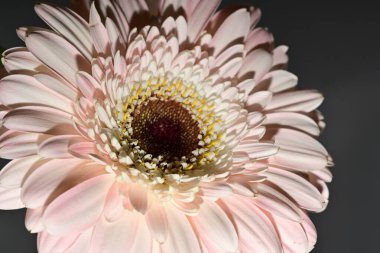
(159, 126)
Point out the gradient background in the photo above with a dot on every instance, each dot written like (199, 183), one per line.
(335, 48)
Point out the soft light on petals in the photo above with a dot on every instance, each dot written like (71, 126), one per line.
(162, 126)
(117, 236)
(214, 223)
(77, 208)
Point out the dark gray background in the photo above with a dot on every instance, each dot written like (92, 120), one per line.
(334, 47)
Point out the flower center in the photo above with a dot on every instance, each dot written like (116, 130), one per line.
(165, 128)
(168, 126)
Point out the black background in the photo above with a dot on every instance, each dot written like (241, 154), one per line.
(334, 47)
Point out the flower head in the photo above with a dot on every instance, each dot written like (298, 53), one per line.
(159, 126)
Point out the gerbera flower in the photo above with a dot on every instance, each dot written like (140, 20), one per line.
(159, 126)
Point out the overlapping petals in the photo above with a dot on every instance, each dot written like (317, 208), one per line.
(67, 107)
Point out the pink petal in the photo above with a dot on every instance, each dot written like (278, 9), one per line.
(157, 222)
(215, 190)
(258, 38)
(181, 25)
(278, 80)
(98, 32)
(113, 208)
(20, 60)
(45, 180)
(82, 243)
(57, 53)
(58, 146)
(231, 52)
(296, 140)
(258, 100)
(82, 149)
(114, 9)
(39, 119)
(33, 93)
(181, 235)
(293, 120)
(33, 220)
(115, 237)
(10, 198)
(200, 17)
(213, 223)
(138, 196)
(292, 236)
(69, 24)
(256, 64)
(310, 231)
(304, 101)
(235, 27)
(58, 84)
(230, 68)
(88, 85)
(255, 16)
(254, 228)
(301, 190)
(276, 203)
(301, 160)
(257, 150)
(47, 243)
(13, 174)
(143, 241)
(280, 57)
(18, 145)
(79, 207)
(115, 37)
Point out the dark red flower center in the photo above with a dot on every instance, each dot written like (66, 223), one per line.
(165, 128)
